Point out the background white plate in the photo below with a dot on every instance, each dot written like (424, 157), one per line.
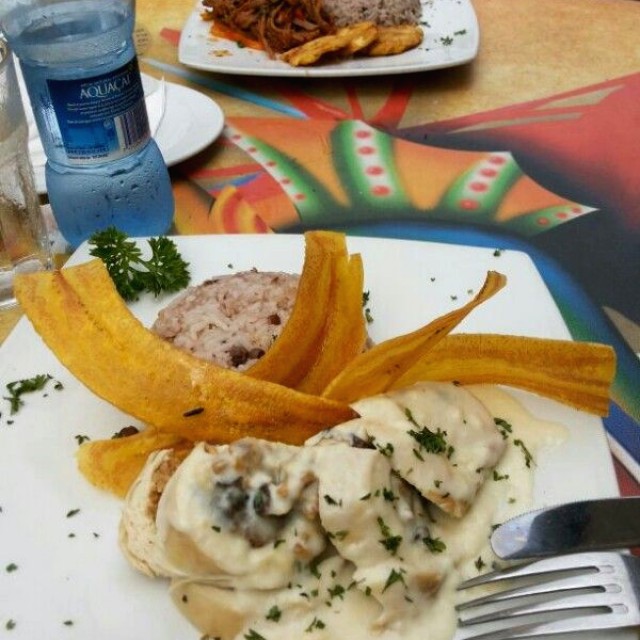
(84, 578)
(190, 122)
(451, 38)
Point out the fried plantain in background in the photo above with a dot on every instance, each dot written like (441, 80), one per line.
(362, 38)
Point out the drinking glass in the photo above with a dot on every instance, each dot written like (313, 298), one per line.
(24, 242)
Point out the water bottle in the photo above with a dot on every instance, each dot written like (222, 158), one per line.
(81, 72)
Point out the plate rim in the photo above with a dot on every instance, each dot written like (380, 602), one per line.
(207, 246)
(195, 26)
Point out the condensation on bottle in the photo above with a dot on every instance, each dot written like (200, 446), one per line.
(82, 76)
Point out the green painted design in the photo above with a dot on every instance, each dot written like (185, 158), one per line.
(379, 191)
(541, 220)
(314, 197)
(462, 202)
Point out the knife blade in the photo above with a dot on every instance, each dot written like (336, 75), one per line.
(588, 525)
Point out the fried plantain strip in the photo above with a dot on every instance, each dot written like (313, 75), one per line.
(391, 41)
(345, 332)
(375, 370)
(81, 317)
(578, 374)
(113, 465)
(292, 355)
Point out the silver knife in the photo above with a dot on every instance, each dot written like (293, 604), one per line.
(589, 525)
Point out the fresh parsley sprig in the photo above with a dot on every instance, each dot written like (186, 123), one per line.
(132, 274)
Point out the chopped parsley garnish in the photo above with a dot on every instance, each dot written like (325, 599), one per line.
(316, 623)
(10, 568)
(504, 427)
(387, 450)
(253, 635)
(73, 512)
(332, 501)
(390, 542)
(274, 614)
(435, 545)
(18, 388)
(430, 441)
(367, 311)
(500, 476)
(394, 576)
(11, 624)
(388, 495)
(337, 592)
(313, 568)
(81, 438)
(480, 563)
(132, 274)
(528, 458)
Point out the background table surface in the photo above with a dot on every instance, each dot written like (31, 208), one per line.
(556, 84)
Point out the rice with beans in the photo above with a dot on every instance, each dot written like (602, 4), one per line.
(380, 12)
(231, 320)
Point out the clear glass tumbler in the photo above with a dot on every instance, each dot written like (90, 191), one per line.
(24, 243)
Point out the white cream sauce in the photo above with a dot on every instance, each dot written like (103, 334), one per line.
(357, 589)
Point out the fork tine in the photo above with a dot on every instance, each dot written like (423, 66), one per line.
(549, 568)
(571, 605)
(597, 622)
(559, 587)
(591, 591)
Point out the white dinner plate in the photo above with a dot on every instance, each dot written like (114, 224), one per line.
(67, 563)
(451, 37)
(183, 122)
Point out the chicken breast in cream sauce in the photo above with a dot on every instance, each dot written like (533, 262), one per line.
(362, 532)
(437, 436)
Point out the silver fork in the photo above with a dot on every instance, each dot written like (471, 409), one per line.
(564, 594)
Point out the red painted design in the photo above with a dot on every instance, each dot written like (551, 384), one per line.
(366, 151)
(312, 107)
(395, 107)
(478, 186)
(468, 204)
(538, 130)
(362, 134)
(488, 172)
(543, 222)
(171, 35)
(374, 171)
(381, 191)
(497, 160)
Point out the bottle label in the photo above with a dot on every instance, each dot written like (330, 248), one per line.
(101, 118)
